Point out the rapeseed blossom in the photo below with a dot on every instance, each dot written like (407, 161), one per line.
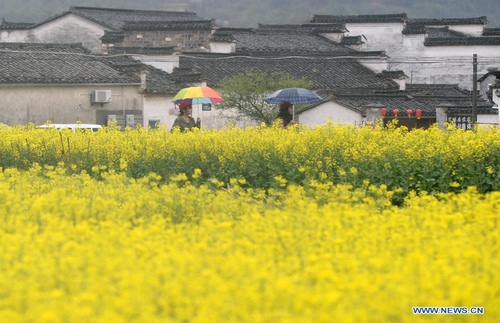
(243, 225)
(432, 160)
(73, 248)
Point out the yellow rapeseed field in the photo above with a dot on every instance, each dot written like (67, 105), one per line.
(325, 242)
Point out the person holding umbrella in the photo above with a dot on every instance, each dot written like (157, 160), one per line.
(185, 121)
(286, 114)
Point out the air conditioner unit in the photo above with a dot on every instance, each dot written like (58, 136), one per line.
(101, 96)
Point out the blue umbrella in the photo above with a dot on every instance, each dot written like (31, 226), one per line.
(293, 95)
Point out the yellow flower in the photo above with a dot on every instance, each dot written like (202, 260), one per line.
(182, 177)
(196, 173)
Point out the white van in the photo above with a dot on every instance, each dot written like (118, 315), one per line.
(73, 126)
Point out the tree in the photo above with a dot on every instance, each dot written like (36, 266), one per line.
(245, 93)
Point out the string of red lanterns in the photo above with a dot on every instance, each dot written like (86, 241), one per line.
(409, 112)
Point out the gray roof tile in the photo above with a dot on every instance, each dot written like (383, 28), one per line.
(169, 25)
(22, 63)
(418, 26)
(491, 32)
(116, 18)
(449, 21)
(142, 50)
(463, 41)
(157, 81)
(351, 40)
(359, 18)
(393, 74)
(35, 63)
(442, 32)
(6, 25)
(322, 71)
(304, 28)
(282, 40)
(112, 37)
(425, 97)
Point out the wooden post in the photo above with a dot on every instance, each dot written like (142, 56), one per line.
(474, 90)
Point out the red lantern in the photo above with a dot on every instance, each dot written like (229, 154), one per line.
(396, 112)
(383, 112)
(418, 113)
(409, 112)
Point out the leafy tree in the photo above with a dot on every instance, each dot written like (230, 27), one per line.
(245, 93)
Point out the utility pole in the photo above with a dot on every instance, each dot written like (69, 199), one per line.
(474, 90)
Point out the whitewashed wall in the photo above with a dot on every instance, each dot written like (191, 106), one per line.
(470, 30)
(65, 29)
(70, 29)
(330, 111)
(488, 120)
(166, 63)
(222, 47)
(426, 64)
(13, 36)
(443, 64)
(62, 104)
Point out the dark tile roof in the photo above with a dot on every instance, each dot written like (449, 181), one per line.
(157, 81)
(282, 40)
(7, 25)
(326, 28)
(443, 36)
(463, 41)
(323, 72)
(445, 90)
(43, 47)
(491, 32)
(418, 26)
(442, 32)
(493, 72)
(112, 37)
(169, 25)
(22, 63)
(304, 28)
(359, 18)
(142, 50)
(450, 21)
(222, 35)
(186, 75)
(116, 18)
(413, 28)
(425, 97)
(352, 40)
(393, 74)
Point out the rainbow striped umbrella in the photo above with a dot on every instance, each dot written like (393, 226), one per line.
(197, 95)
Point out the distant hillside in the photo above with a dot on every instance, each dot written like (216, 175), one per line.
(249, 13)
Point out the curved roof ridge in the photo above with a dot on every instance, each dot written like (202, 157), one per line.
(82, 8)
(359, 18)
